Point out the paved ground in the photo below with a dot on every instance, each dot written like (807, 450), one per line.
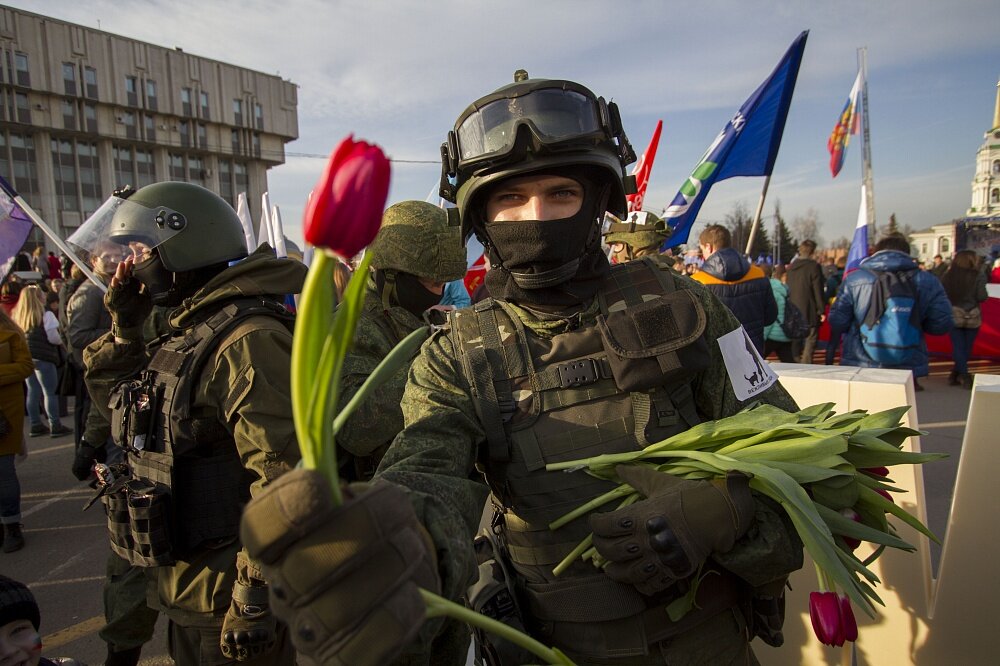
(63, 561)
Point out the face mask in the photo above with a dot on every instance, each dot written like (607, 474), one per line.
(158, 280)
(406, 292)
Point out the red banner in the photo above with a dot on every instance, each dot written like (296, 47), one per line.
(642, 169)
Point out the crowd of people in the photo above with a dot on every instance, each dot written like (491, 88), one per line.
(582, 339)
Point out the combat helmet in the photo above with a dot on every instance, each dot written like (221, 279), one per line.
(639, 230)
(419, 238)
(189, 226)
(528, 126)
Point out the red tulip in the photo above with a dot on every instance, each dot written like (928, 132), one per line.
(345, 210)
(851, 542)
(885, 493)
(876, 471)
(832, 618)
(847, 618)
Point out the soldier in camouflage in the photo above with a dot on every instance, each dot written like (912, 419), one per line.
(639, 234)
(414, 254)
(202, 414)
(569, 359)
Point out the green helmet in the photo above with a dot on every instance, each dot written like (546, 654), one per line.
(529, 126)
(639, 230)
(419, 238)
(189, 226)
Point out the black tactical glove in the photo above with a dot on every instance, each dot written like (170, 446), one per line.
(249, 629)
(667, 536)
(344, 578)
(129, 306)
(86, 456)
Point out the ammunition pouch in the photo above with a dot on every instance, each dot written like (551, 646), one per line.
(493, 594)
(139, 524)
(766, 612)
(655, 343)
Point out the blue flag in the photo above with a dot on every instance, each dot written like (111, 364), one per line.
(15, 225)
(746, 146)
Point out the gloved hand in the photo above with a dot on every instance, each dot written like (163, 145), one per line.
(86, 456)
(249, 629)
(667, 536)
(128, 303)
(344, 578)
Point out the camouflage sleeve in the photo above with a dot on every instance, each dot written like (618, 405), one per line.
(434, 458)
(378, 419)
(106, 363)
(713, 390)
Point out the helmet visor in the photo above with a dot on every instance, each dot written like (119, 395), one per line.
(121, 227)
(554, 115)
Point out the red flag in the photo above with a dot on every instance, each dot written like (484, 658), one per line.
(642, 169)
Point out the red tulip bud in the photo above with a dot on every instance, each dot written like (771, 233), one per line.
(345, 210)
(824, 611)
(847, 618)
(885, 493)
(851, 542)
(876, 471)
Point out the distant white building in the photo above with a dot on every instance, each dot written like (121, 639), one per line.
(939, 239)
(986, 183)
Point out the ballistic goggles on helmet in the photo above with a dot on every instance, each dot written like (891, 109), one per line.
(547, 116)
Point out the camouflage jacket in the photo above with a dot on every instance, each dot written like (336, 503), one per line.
(434, 457)
(365, 436)
(247, 382)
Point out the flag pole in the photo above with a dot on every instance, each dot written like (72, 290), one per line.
(866, 150)
(53, 236)
(756, 216)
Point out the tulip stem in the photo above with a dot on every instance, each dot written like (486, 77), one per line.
(439, 606)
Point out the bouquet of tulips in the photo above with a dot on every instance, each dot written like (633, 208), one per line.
(343, 216)
(829, 472)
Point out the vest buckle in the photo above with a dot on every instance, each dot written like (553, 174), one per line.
(578, 373)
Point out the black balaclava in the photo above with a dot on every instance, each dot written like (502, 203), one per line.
(169, 288)
(406, 291)
(555, 263)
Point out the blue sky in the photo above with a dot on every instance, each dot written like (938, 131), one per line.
(399, 72)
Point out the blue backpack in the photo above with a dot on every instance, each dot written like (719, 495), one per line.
(890, 332)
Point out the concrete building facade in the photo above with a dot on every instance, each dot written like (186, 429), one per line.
(83, 112)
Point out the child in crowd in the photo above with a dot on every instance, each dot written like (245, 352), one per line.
(20, 642)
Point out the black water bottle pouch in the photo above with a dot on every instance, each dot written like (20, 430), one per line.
(149, 519)
(658, 342)
(119, 525)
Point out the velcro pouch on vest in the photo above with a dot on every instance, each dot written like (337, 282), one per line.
(656, 342)
(139, 524)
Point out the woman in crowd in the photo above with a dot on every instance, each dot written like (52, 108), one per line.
(15, 367)
(42, 330)
(965, 285)
(774, 337)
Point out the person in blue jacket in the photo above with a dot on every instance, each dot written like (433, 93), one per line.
(892, 254)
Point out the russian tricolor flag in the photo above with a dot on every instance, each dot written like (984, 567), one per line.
(859, 243)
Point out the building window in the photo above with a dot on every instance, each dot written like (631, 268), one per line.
(196, 170)
(235, 136)
(240, 178)
(151, 95)
(238, 112)
(69, 114)
(64, 170)
(21, 69)
(21, 107)
(203, 100)
(255, 139)
(90, 117)
(149, 127)
(90, 177)
(996, 167)
(995, 196)
(226, 182)
(131, 91)
(258, 116)
(923, 249)
(185, 101)
(90, 82)
(69, 78)
(18, 164)
(945, 245)
(185, 129)
(77, 175)
(145, 169)
(128, 118)
(202, 136)
(124, 166)
(177, 167)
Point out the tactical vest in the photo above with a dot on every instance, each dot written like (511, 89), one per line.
(188, 485)
(614, 386)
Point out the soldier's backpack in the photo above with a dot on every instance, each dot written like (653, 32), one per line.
(794, 325)
(890, 331)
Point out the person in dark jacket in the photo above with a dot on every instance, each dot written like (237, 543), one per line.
(740, 285)
(848, 312)
(965, 285)
(834, 279)
(805, 289)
